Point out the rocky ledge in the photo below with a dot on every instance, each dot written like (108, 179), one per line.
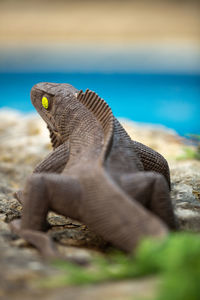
(24, 142)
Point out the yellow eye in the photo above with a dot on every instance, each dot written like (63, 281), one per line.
(45, 102)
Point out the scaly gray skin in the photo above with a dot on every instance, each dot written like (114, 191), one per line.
(95, 174)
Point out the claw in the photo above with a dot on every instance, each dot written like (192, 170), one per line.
(36, 238)
(43, 243)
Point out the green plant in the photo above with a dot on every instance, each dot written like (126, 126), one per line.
(196, 140)
(176, 260)
(189, 152)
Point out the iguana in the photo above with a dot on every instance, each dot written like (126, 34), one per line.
(95, 174)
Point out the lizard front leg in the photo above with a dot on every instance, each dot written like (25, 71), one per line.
(53, 163)
(44, 192)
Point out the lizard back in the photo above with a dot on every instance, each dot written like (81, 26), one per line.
(118, 154)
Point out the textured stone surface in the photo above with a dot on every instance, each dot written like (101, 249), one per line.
(23, 143)
(186, 193)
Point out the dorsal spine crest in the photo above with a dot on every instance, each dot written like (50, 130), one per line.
(103, 114)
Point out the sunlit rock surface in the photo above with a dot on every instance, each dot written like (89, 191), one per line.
(24, 141)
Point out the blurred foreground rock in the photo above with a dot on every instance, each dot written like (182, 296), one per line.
(24, 142)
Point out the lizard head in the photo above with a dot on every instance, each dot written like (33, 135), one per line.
(50, 100)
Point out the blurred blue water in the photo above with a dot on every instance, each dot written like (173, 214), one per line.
(170, 100)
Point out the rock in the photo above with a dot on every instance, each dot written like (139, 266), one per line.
(186, 194)
(24, 142)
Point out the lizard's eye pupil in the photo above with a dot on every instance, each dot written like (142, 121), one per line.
(45, 102)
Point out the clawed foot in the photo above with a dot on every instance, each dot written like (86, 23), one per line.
(43, 243)
(36, 238)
